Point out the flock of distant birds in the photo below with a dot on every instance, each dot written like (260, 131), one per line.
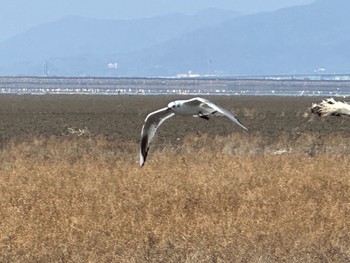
(203, 108)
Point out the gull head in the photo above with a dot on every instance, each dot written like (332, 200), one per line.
(173, 105)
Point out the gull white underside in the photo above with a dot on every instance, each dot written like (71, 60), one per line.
(196, 107)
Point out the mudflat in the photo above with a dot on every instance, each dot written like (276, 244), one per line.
(120, 118)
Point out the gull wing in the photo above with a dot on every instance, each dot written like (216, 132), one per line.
(204, 102)
(149, 128)
(195, 101)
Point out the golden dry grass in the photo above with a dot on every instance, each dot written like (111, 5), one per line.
(208, 199)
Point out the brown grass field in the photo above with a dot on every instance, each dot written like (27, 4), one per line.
(209, 191)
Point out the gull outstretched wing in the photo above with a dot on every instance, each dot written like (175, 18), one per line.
(149, 128)
(222, 111)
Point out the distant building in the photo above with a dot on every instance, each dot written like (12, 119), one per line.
(189, 74)
(112, 65)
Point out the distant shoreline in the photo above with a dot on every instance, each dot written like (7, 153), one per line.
(184, 86)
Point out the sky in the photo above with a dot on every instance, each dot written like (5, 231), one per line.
(17, 16)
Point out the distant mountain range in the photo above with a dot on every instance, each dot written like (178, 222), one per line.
(214, 42)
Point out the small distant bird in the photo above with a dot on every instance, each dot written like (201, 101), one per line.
(197, 107)
(331, 107)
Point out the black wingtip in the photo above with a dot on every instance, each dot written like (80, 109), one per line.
(143, 155)
(143, 161)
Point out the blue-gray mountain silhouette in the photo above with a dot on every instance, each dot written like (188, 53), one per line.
(288, 41)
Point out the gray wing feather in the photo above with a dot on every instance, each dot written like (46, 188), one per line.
(220, 110)
(149, 128)
(196, 101)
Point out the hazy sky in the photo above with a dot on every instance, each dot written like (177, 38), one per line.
(18, 15)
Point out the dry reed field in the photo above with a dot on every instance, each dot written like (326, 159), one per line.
(279, 193)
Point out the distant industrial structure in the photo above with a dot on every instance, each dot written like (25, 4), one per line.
(45, 68)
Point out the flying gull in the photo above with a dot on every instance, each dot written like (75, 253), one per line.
(197, 107)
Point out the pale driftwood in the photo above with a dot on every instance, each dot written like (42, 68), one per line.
(78, 132)
(331, 107)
